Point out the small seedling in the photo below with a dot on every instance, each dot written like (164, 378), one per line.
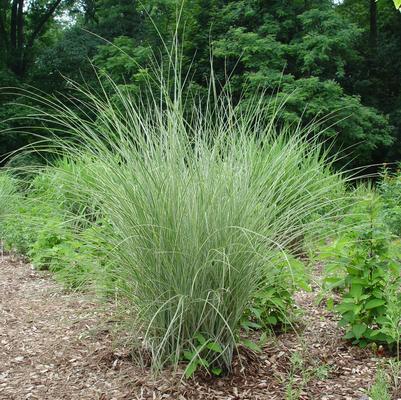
(380, 390)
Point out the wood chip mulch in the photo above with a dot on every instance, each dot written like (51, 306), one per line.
(59, 345)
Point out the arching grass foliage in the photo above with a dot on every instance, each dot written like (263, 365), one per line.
(199, 195)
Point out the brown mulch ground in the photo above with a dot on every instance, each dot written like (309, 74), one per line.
(56, 345)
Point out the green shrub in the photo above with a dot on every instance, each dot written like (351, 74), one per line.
(272, 304)
(46, 237)
(364, 263)
(19, 227)
(50, 234)
(82, 260)
(390, 190)
(54, 185)
(49, 226)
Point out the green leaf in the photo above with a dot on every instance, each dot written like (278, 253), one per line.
(358, 330)
(358, 281)
(251, 324)
(356, 291)
(190, 370)
(349, 335)
(189, 355)
(381, 320)
(348, 317)
(271, 319)
(377, 293)
(397, 4)
(345, 307)
(374, 303)
(214, 347)
(251, 345)
(203, 362)
(378, 336)
(333, 281)
(263, 339)
(200, 338)
(257, 312)
(216, 371)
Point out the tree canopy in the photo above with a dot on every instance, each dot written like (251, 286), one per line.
(338, 60)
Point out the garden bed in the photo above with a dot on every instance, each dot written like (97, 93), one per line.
(59, 345)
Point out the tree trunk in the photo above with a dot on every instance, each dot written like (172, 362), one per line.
(3, 29)
(20, 48)
(13, 24)
(20, 39)
(373, 25)
(45, 17)
(20, 24)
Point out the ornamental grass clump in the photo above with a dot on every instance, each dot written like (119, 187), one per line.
(200, 195)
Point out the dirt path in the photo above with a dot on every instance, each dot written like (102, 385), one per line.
(51, 347)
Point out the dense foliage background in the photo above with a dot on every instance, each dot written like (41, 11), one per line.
(341, 57)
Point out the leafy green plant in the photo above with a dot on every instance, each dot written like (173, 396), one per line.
(380, 390)
(366, 263)
(272, 304)
(391, 322)
(51, 234)
(49, 225)
(294, 386)
(322, 371)
(394, 368)
(54, 186)
(390, 190)
(199, 355)
(301, 371)
(292, 392)
(18, 228)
